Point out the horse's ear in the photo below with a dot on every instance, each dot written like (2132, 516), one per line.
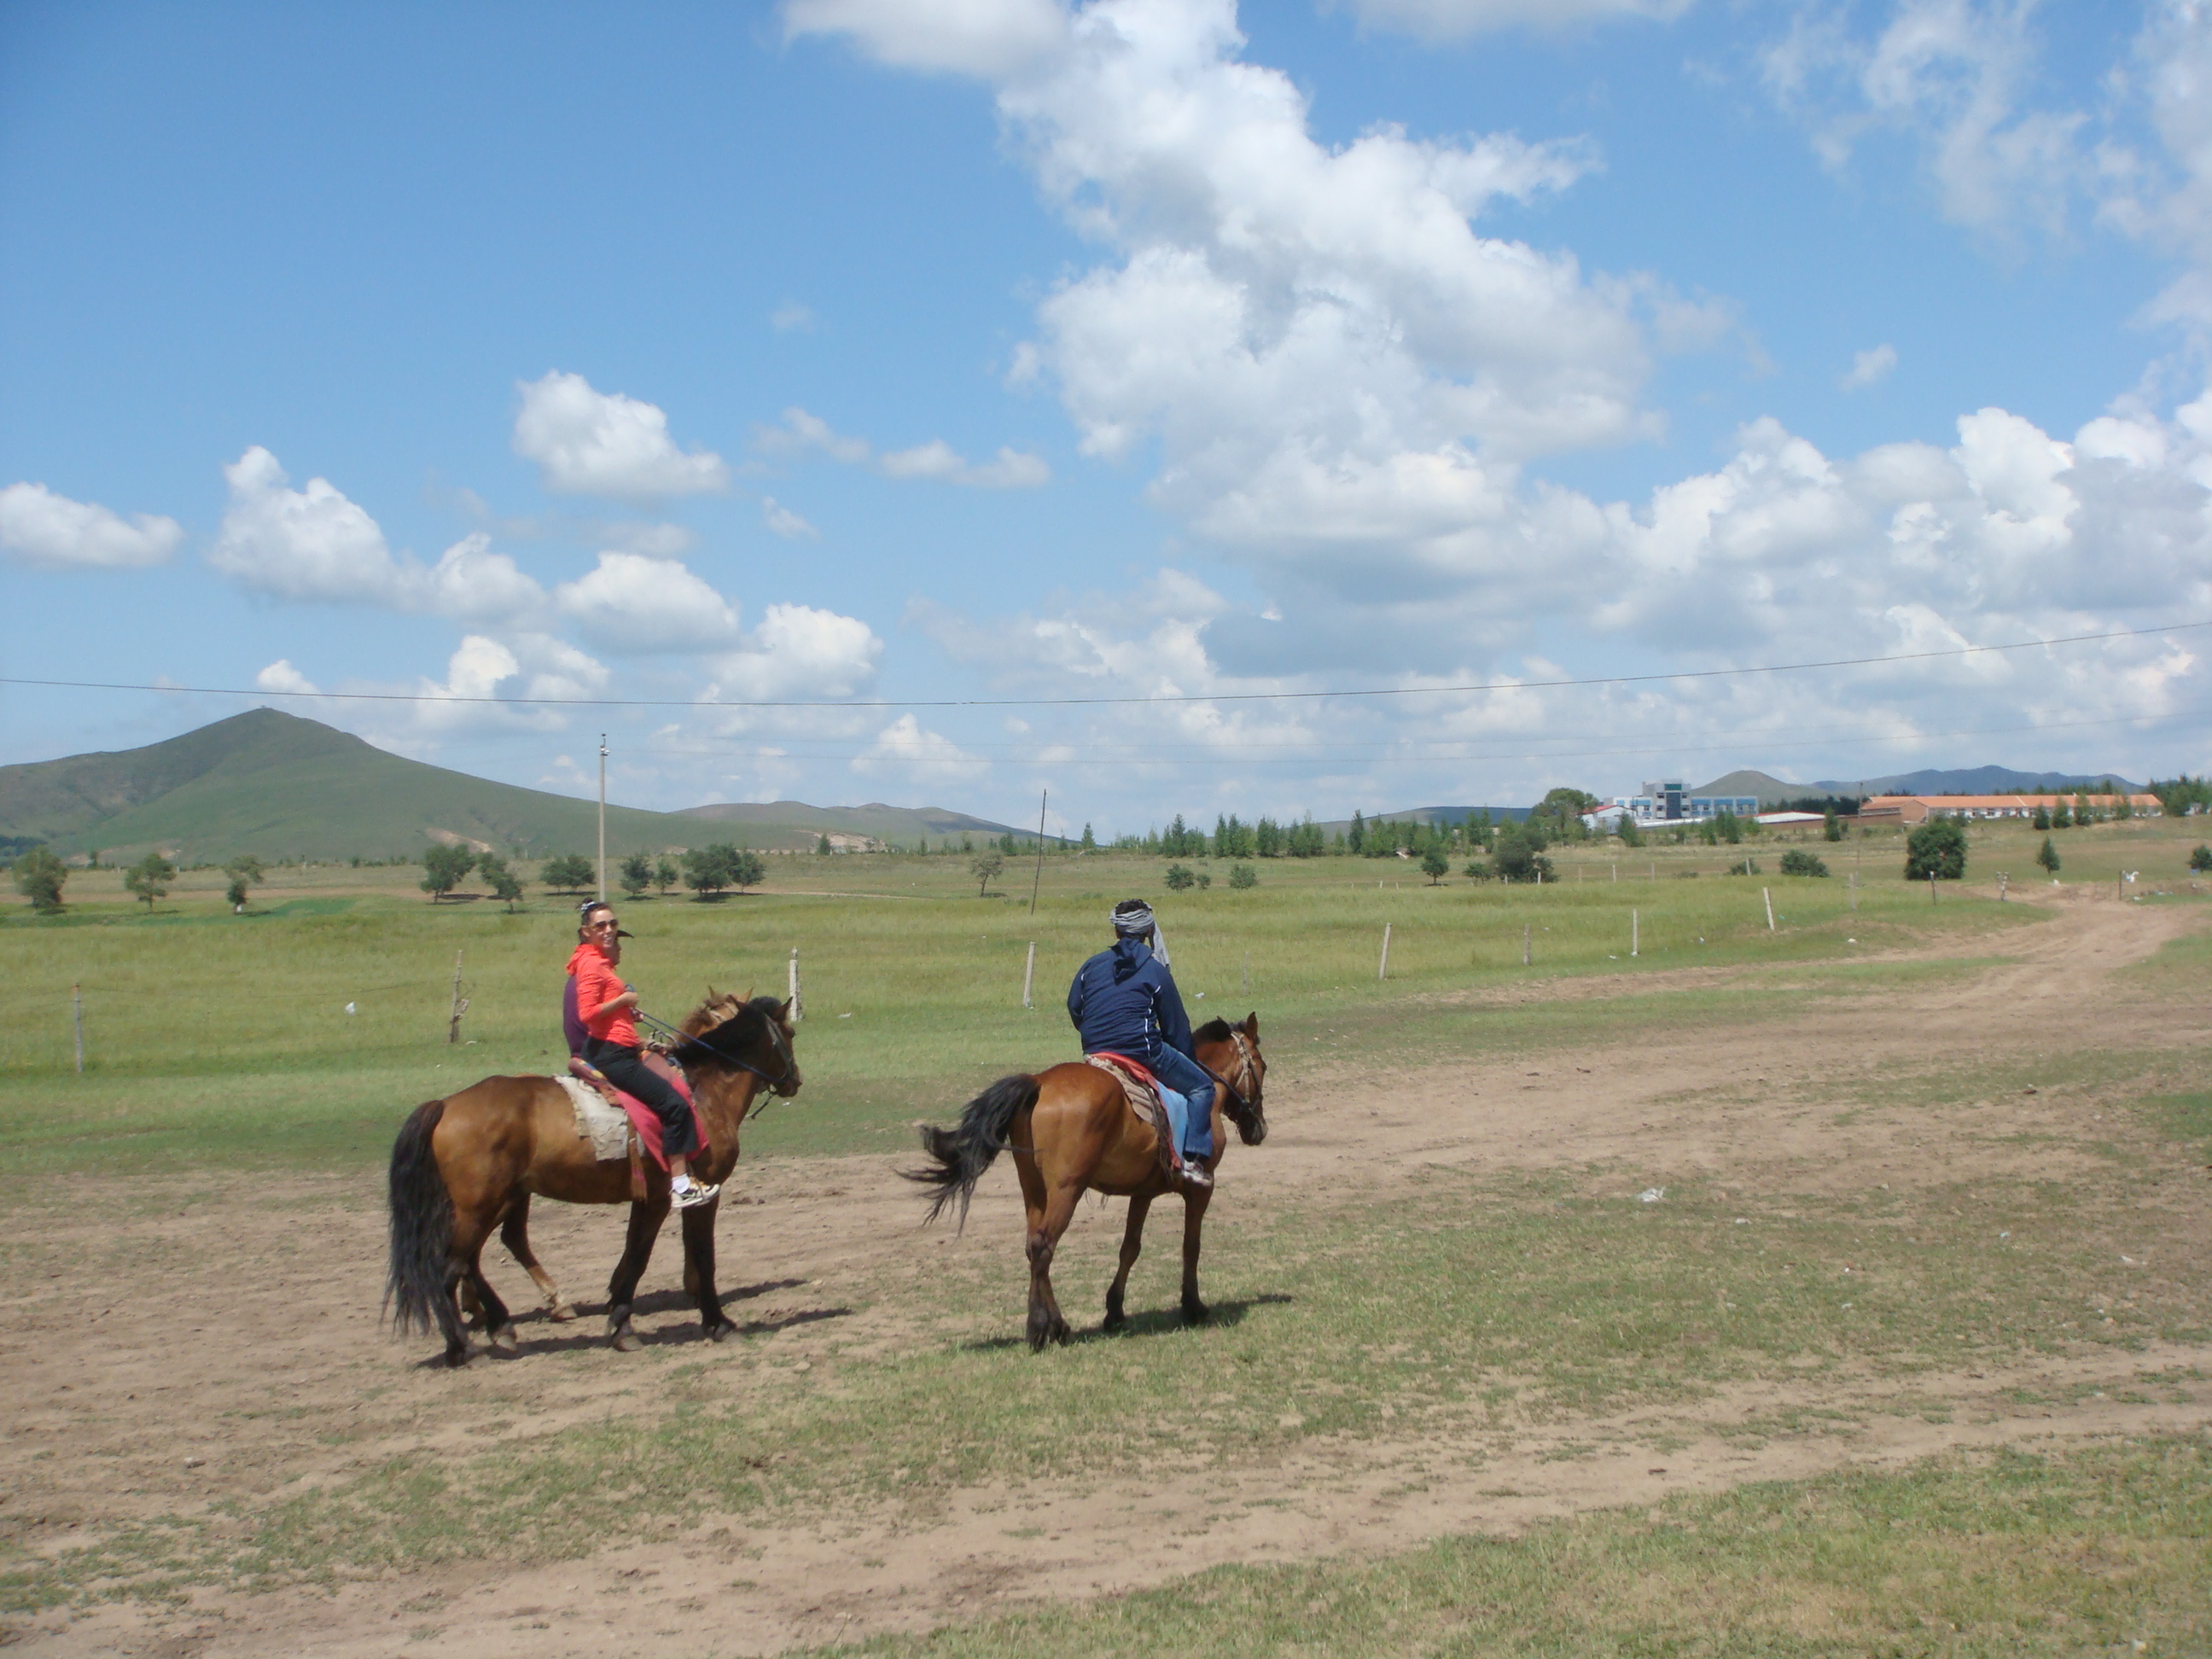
(783, 1012)
(710, 994)
(1251, 1026)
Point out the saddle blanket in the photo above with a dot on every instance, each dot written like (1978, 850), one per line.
(1142, 1090)
(606, 1125)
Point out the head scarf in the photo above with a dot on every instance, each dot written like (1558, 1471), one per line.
(1132, 919)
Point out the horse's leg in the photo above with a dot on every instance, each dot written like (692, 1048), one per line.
(645, 1218)
(699, 1269)
(1047, 1222)
(470, 1229)
(1133, 1241)
(515, 1233)
(1194, 1219)
(498, 1322)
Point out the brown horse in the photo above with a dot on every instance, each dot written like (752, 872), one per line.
(1070, 1129)
(468, 1163)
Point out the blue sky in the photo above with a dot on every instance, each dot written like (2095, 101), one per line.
(846, 353)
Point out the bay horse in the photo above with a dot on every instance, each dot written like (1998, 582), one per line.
(1072, 1129)
(470, 1163)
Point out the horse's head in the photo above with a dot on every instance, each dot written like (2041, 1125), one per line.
(747, 1035)
(1237, 1061)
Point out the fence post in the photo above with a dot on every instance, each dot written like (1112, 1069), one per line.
(798, 1010)
(1769, 897)
(1383, 971)
(77, 1013)
(1851, 886)
(460, 1003)
(1635, 936)
(1029, 974)
(1247, 973)
(1525, 932)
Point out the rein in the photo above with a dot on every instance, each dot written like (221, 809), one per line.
(682, 1040)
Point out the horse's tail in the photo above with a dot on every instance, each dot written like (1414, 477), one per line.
(959, 1156)
(422, 1224)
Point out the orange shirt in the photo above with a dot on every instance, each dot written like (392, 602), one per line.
(596, 985)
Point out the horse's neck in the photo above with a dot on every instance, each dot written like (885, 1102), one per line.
(725, 1096)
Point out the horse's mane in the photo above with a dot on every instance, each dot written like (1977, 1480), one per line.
(1214, 1030)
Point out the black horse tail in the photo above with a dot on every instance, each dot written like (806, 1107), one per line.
(959, 1156)
(421, 1225)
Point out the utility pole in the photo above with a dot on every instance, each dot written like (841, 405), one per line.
(1037, 879)
(603, 817)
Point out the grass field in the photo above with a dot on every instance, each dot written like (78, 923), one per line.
(1479, 1308)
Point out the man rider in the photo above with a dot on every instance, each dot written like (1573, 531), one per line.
(1124, 1001)
(604, 1004)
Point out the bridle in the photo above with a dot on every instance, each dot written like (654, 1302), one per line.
(782, 1085)
(1248, 1070)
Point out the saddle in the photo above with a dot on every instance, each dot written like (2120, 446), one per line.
(643, 1134)
(1141, 1089)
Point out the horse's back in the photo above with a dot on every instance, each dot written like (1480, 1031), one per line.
(492, 1134)
(1083, 1127)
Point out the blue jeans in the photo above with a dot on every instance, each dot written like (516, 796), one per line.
(1193, 1126)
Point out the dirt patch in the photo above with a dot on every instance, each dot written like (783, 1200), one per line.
(197, 1351)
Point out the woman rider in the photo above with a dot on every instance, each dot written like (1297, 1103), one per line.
(605, 1005)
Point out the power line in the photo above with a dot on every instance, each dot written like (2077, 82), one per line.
(1092, 702)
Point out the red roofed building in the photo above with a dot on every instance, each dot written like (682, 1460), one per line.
(1918, 809)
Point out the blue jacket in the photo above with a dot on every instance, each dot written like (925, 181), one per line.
(1124, 1001)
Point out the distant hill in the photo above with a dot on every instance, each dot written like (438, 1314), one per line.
(281, 787)
(1975, 780)
(1770, 791)
(899, 825)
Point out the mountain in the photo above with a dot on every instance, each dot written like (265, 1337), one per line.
(1974, 780)
(1770, 791)
(273, 784)
(901, 825)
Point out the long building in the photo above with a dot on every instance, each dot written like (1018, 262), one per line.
(1918, 809)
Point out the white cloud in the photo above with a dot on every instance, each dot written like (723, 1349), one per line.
(315, 544)
(926, 757)
(631, 603)
(311, 543)
(1868, 368)
(1450, 20)
(281, 677)
(935, 460)
(987, 38)
(42, 528)
(782, 521)
(588, 442)
(799, 652)
(793, 317)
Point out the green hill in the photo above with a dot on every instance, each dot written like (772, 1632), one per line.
(898, 825)
(281, 787)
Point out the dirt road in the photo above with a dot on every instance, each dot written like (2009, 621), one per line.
(231, 1340)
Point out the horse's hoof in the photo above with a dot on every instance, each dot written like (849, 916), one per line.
(722, 1333)
(1195, 1312)
(560, 1313)
(627, 1340)
(456, 1358)
(1115, 1319)
(504, 1340)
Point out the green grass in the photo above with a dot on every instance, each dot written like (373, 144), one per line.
(212, 1036)
(2106, 1550)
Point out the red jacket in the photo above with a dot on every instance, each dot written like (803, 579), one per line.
(596, 985)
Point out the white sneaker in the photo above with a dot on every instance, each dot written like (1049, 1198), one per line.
(692, 1194)
(1196, 1175)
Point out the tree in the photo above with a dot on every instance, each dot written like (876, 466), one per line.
(1560, 813)
(1799, 862)
(1179, 879)
(1832, 824)
(1355, 838)
(1480, 870)
(443, 867)
(572, 873)
(2060, 817)
(1089, 843)
(2047, 856)
(1305, 839)
(985, 871)
(665, 875)
(504, 884)
(1242, 876)
(1516, 851)
(245, 872)
(1435, 862)
(1937, 848)
(2042, 818)
(1630, 831)
(1728, 827)
(821, 847)
(636, 874)
(2201, 860)
(150, 878)
(745, 868)
(705, 871)
(39, 878)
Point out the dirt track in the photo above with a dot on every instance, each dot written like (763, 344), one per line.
(198, 1383)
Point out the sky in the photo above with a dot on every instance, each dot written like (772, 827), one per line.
(1174, 406)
